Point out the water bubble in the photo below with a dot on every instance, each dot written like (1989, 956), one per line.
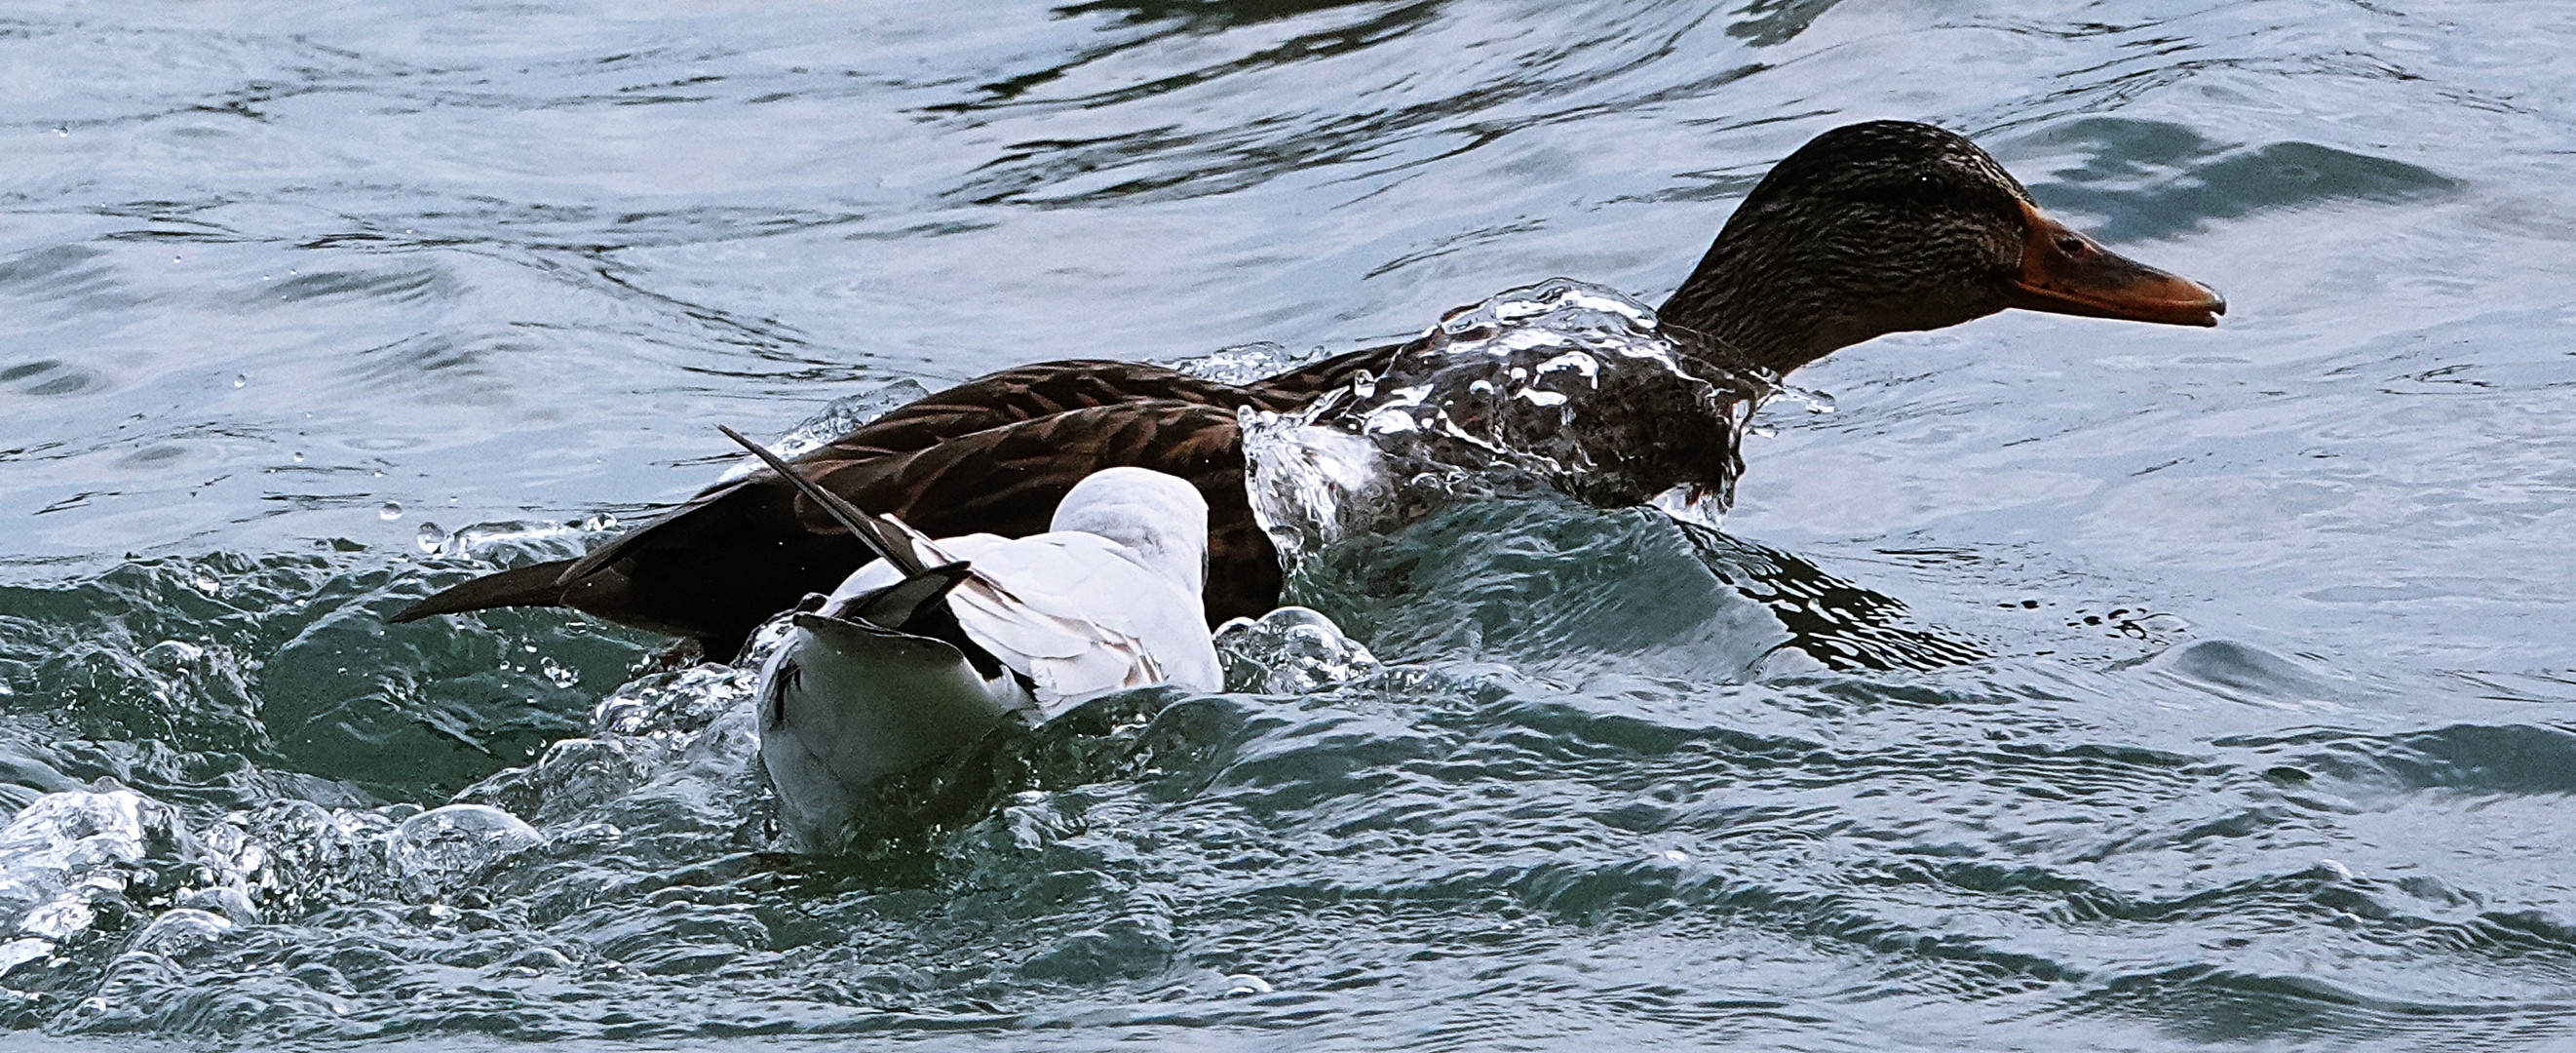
(65, 851)
(557, 674)
(1289, 651)
(298, 456)
(429, 537)
(231, 903)
(181, 931)
(444, 844)
(391, 511)
(1243, 363)
(241, 379)
(172, 656)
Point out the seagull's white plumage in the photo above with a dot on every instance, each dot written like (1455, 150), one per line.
(1108, 599)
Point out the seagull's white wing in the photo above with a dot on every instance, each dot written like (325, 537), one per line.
(1073, 612)
(1017, 607)
(1085, 618)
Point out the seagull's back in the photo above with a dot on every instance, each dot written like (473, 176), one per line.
(1105, 600)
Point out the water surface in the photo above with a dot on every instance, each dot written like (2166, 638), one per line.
(2110, 686)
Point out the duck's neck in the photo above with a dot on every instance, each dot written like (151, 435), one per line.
(1770, 311)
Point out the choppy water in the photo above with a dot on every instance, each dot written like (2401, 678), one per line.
(2074, 685)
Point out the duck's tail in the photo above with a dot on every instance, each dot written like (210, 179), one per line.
(535, 585)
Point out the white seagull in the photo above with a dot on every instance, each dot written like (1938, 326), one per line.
(926, 649)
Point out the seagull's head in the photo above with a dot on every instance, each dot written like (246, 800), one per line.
(1159, 517)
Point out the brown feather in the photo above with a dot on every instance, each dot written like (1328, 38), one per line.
(718, 566)
(1872, 228)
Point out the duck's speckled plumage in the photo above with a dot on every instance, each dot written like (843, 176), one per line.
(1868, 229)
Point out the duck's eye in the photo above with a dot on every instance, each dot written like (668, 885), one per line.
(2072, 245)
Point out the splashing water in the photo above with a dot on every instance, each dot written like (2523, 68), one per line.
(1289, 651)
(837, 418)
(540, 254)
(77, 860)
(512, 542)
(1243, 363)
(1562, 384)
(448, 845)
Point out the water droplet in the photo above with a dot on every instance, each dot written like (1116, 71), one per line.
(429, 537)
(557, 674)
(63, 133)
(390, 512)
(299, 456)
(241, 379)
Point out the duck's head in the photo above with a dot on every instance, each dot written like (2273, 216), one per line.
(1891, 226)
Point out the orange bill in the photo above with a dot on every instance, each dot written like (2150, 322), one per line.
(2063, 272)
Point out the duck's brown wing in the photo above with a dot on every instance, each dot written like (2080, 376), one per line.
(683, 573)
(715, 568)
(1044, 389)
(1026, 393)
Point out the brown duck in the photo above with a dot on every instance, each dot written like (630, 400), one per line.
(1868, 229)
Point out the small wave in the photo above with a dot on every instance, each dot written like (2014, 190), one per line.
(226, 665)
(2472, 758)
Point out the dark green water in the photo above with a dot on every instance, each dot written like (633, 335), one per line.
(2074, 685)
